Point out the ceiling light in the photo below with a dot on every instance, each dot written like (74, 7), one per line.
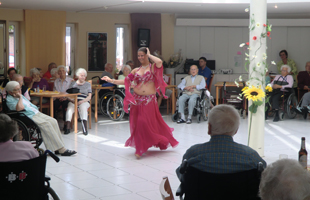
(275, 6)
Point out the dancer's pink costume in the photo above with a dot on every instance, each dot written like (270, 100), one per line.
(147, 126)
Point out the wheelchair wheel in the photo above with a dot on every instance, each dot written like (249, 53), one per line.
(103, 103)
(115, 107)
(23, 132)
(51, 194)
(205, 111)
(198, 118)
(281, 115)
(93, 102)
(290, 106)
(175, 116)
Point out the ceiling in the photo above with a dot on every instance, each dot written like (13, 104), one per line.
(194, 9)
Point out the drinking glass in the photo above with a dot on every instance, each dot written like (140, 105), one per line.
(44, 88)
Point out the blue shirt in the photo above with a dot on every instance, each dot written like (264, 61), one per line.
(222, 155)
(206, 72)
(201, 85)
(30, 109)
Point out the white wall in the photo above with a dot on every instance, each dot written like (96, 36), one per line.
(223, 43)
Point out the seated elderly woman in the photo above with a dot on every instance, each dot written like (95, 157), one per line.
(281, 83)
(36, 82)
(25, 90)
(13, 151)
(126, 70)
(49, 127)
(283, 180)
(83, 100)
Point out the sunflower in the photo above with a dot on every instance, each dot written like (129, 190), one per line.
(254, 93)
(245, 88)
(268, 88)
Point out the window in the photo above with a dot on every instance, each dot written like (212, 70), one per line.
(13, 46)
(70, 48)
(121, 45)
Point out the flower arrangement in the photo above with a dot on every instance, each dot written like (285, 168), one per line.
(257, 93)
(175, 59)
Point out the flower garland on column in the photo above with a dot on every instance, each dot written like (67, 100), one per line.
(256, 93)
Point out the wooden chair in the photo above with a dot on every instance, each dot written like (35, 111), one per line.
(89, 111)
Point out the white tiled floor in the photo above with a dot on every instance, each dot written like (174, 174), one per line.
(105, 169)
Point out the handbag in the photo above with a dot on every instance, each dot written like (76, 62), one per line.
(73, 90)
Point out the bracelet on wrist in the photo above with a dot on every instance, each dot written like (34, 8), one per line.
(113, 80)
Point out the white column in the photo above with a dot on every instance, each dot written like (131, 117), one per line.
(258, 12)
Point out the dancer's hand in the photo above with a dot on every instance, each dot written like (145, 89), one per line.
(148, 53)
(107, 79)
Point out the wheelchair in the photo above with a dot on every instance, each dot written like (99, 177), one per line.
(196, 184)
(287, 105)
(201, 108)
(111, 103)
(26, 179)
(28, 129)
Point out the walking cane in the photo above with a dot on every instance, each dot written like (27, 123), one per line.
(83, 127)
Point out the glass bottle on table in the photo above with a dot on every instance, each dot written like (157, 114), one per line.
(303, 154)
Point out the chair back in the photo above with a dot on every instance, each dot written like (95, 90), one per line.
(169, 79)
(203, 185)
(23, 180)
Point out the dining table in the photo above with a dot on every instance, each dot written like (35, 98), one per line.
(54, 94)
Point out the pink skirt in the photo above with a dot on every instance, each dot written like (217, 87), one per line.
(147, 126)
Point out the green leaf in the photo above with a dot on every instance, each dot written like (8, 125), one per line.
(259, 103)
(253, 108)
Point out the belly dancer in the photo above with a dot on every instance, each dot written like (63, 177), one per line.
(147, 126)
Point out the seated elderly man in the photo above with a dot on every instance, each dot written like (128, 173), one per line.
(190, 86)
(13, 151)
(48, 74)
(49, 127)
(285, 179)
(221, 154)
(281, 83)
(304, 85)
(61, 85)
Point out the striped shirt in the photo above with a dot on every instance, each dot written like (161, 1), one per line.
(85, 89)
(222, 155)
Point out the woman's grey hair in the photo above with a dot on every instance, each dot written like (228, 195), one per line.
(80, 70)
(61, 66)
(8, 127)
(53, 71)
(126, 66)
(286, 66)
(285, 179)
(10, 86)
(34, 71)
(224, 120)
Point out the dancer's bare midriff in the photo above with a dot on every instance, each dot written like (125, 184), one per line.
(145, 89)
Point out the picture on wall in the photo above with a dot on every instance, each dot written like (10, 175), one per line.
(97, 51)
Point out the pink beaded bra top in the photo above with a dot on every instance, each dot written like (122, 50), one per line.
(140, 80)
